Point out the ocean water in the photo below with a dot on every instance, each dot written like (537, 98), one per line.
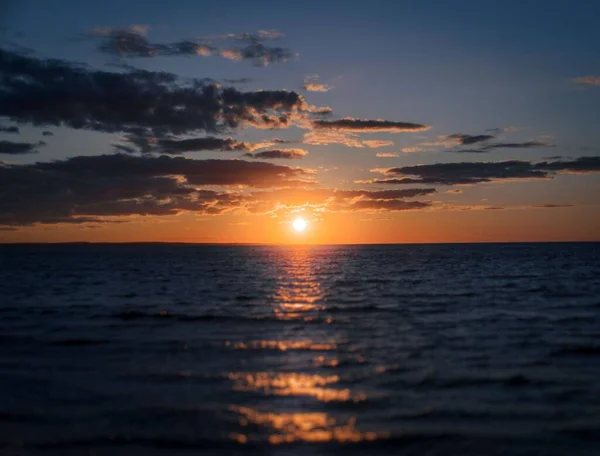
(404, 350)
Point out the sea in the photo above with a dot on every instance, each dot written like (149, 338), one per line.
(168, 349)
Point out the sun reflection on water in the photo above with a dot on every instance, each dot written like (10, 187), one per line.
(298, 296)
(299, 291)
(300, 427)
(293, 384)
(282, 345)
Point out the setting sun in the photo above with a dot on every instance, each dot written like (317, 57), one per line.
(299, 224)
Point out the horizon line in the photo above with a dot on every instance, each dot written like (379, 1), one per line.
(225, 244)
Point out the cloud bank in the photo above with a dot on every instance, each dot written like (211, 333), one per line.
(466, 173)
(56, 93)
(19, 148)
(280, 153)
(132, 42)
(99, 189)
(350, 124)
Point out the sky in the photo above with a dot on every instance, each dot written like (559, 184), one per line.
(225, 121)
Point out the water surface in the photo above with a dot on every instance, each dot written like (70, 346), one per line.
(182, 349)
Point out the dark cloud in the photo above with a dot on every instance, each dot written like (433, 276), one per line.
(322, 195)
(124, 148)
(279, 153)
(522, 145)
(367, 126)
(552, 206)
(470, 139)
(335, 200)
(9, 129)
(238, 81)
(105, 188)
(389, 205)
(128, 43)
(579, 165)
(19, 148)
(477, 172)
(171, 146)
(132, 42)
(55, 92)
(87, 187)
(403, 193)
(196, 172)
(47, 133)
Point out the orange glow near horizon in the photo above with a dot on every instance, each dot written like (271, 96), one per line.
(576, 223)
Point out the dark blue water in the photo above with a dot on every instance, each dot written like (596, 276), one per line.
(421, 349)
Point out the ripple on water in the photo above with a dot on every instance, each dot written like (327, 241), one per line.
(283, 428)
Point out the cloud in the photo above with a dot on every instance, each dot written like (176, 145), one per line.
(89, 188)
(522, 145)
(482, 142)
(140, 29)
(386, 155)
(55, 92)
(587, 80)
(316, 87)
(173, 146)
(9, 129)
(323, 138)
(312, 84)
(389, 205)
(348, 139)
(19, 148)
(501, 208)
(465, 173)
(374, 143)
(470, 139)
(106, 188)
(456, 139)
(47, 133)
(410, 150)
(336, 200)
(132, 42)
(238, 80)
(196, 172)
(125, 148)
(581, 165)
(350, 124)
(280, 153)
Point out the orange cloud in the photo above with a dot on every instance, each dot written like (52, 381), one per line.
(587, 80)
(374, 143)
(315, 87)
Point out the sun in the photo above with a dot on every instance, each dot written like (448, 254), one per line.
(299, 224)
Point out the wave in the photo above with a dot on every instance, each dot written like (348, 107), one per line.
(130, 441)
(509, 381)
(75, 342)
(360, 308)
(581, 350)
(133, 315)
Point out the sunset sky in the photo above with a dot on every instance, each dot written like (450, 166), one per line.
(223, 121)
